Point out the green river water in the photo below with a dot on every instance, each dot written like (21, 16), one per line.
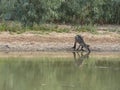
(60, 71)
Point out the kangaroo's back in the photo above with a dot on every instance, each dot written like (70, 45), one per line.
(79, 39)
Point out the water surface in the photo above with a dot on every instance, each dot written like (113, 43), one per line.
(60, 71)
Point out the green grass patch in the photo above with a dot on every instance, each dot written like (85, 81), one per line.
(86, 28)
(17, 27)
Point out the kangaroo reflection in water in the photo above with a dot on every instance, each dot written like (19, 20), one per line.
(79, 57)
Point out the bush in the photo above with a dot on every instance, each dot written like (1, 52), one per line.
(30, 12)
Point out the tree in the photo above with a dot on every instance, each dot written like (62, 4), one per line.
(36, 11)
(7, 9)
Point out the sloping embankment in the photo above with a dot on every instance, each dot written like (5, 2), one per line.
(57, 42)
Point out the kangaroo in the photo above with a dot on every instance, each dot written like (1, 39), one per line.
(79, 39)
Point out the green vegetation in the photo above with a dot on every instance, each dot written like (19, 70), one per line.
(84, 13)
(44, 28)
(86, 28)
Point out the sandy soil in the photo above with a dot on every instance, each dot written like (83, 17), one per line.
(102, 41)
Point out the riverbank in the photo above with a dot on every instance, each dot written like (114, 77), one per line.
(29, 42)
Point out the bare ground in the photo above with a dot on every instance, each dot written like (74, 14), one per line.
(102, 41)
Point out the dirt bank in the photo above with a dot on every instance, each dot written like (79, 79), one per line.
(102, 41)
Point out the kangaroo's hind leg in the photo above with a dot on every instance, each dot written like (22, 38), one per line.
(82, 49)
(87, 47)
(78, 47)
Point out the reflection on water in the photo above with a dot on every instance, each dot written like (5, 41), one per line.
(60, 73)
(79, 57)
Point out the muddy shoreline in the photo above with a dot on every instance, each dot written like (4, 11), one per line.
(29, 42)
(55, 47)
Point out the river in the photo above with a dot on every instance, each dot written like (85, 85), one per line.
(59, 71)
